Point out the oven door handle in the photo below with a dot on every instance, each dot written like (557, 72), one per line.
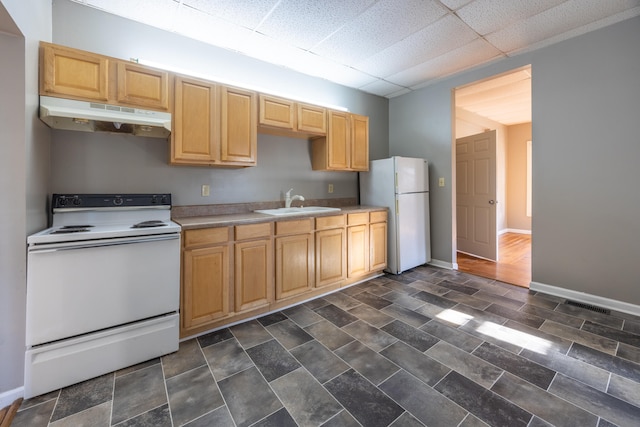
(70, 246)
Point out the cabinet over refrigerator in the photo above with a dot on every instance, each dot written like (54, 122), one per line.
(402, 185)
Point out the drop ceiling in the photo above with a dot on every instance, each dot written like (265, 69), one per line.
(384, 47)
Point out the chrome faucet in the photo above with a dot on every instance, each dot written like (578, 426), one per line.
(288, 198)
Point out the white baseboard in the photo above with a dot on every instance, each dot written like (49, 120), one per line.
(443, 264)
(514, 230)
(583, 297)
(8, 397)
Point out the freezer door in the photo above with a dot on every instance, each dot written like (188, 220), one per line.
(413, 241)
(412, 175)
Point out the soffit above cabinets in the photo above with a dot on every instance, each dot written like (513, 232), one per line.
(384, 47)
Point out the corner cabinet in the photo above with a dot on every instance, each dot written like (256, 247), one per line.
(213, 125)
(346, 146)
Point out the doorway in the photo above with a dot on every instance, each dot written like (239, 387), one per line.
(500, 105)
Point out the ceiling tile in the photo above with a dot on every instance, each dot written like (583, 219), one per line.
(159, 13)
(382, 88)
(447, 34)
(455, 4)
(304, 23)
(472, 54)
(380, 26)
(487, 16)
(574, 17)
(246, 13)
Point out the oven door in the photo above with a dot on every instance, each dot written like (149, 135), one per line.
(80, 287)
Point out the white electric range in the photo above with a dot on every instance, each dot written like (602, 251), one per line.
(103, 287)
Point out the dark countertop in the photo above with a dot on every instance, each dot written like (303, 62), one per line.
(192, 223)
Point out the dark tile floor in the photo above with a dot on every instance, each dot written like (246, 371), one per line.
(429, 347)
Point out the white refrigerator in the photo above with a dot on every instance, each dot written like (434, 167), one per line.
(402, 185)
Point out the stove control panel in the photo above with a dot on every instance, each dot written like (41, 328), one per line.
(98, 201)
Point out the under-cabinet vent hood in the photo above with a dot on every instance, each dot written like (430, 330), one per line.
(69, 114)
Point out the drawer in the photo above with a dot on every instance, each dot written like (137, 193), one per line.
(253, 231)
(294, 227)
(206, 236)
(379, 216)
(358, 218)
(334, 221)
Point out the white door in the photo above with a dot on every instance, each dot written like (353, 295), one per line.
(476, 195)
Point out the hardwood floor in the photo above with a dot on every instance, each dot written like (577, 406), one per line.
(513, 266)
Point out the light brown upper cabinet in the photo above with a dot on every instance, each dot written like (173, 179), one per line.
(291, 118)
(346, 146)
(142, 86)
(195, 138)
(77, 74)
(214, 125)
(73, 73)
(238, 125)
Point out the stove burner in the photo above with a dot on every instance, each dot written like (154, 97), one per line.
(69, 229)
(149, 224)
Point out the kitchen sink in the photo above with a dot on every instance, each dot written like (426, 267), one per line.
(297, 211)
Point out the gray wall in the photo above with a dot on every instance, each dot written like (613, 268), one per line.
(586, 203)
(586, 99)
(24, 171)
(100, 162)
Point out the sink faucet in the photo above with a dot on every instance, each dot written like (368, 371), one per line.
(288, 198)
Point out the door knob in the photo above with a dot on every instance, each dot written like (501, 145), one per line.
(493, 202)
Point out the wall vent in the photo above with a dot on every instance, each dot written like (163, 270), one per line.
(588, 307)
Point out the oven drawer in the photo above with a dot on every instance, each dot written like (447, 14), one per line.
(72, 291)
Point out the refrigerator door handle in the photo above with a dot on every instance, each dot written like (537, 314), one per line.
(397, 208)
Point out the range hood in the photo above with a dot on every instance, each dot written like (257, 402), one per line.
(69, 114)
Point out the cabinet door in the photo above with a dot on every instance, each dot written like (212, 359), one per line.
(331, 257)
(205, 286)
(73, 73)
(311, 119)
(294, 265)
(378, 246)
(357, 250)
(142, 86)
(239, 122)
(359, 142)
(338, 141)
(276, 112)
(253, 274)
(195, 136)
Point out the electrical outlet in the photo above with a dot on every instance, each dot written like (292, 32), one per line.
(441, 182)
(206, 190)
(330, 188)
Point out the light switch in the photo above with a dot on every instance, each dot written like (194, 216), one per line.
(441, 182)
(206, 190)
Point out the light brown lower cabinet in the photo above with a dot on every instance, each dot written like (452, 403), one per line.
(232, 273)
(294, 245)
(253, 266)
(378, 246)
(331, 254)
(205, 277)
